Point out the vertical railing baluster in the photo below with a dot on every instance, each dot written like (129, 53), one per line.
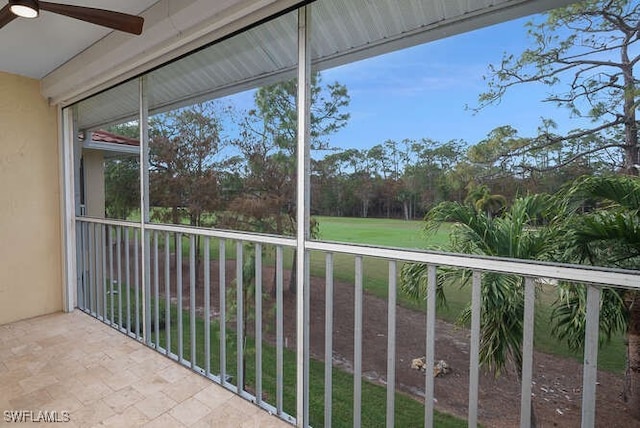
(222, 284)
(357, 345)
(119, 267)
(239, 318)
(95, 303)
(474, 373)
(97, 257)
(111, 295)
(103, 281)
(96, 270)
(590, 369)
(127, 277)
(80, 266)
(91, 259)
(430, 344)
(86, 267)
(527, 352)
(156, 290)
(258, 305)
(391, 344)
(279, 331)
(167, 292)
(207, 305)
(192, 299)
(328, 340)
(179, 294)
(136, 280)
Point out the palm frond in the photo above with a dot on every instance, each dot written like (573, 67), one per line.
(615, 189)
(569, 314)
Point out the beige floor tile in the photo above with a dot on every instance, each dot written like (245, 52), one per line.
(10, 389)
(118, 381)
(74, 363)
(36, 382)
(150, 385)
(221, 418)
(172, 373)
(92, 414)
(92, 391)
(214, 396)
(190, 411)
(63, 402)
(164, 421)
(31, 401)
(130, 417)
(187, 387)
(122, 399)
(242, 406)
(156, 404)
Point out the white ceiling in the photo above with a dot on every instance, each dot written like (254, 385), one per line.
(35, 47)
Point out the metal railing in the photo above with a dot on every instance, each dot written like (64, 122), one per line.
(182, 315)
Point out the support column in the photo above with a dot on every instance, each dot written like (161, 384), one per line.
(144, 210)
(93, 162)
(69, 203)
(302, 217)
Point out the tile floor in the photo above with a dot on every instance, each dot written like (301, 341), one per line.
(76, 364)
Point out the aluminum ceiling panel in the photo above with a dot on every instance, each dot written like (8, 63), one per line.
(115, 105)
(342, 31)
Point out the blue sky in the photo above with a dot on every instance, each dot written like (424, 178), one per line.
(422, 92)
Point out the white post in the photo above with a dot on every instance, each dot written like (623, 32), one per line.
(302, 218)
(66, 144)
(144, 209)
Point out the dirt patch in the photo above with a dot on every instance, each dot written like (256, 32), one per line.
(556, 385)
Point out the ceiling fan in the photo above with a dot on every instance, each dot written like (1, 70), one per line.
(106, 18)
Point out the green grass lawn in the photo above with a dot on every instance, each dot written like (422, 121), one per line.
(408, 411)
(374, 231)
(409, 234)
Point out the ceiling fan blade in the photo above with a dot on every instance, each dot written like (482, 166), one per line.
(106, 18)
(6, 16)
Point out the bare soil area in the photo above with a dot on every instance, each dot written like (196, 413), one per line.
(557, 381)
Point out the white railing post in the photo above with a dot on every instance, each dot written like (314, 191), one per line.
(474, 364)
(430, 351)
(527, 352)
(590, 373)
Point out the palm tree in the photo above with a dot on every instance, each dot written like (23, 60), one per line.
(483, 200)
(527, 230)
(607, 236)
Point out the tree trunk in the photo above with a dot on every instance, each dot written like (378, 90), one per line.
(292, 279)
(632, 380)
(632, 151)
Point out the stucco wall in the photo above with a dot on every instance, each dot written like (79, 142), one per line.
(94, 182)
(30, 231)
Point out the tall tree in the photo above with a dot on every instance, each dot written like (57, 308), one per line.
(184, 146)
(185, 171)
(268, 142)
(587, 55)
